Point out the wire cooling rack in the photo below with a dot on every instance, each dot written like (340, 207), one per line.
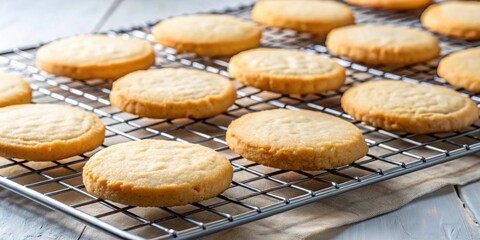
(257, 191)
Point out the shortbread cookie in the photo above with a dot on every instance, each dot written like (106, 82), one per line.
(461, 69)
(173, 93)
(408, 107)
(47, 132)
(286, 71)
(14, 90)
(208, 34)
(296, 140)
(316, 17)
(157, 173)
(454, 18)
(391, 4)
(383, 44)
(95, 56)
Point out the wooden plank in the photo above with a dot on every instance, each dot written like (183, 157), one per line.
(131, 12)
(20, 218)
(93, 233)
(438, 215)
(25, 22)
(470, 195)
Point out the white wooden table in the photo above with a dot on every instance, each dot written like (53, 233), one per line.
(452, 212)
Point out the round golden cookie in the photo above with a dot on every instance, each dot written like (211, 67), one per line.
(296, 140)
(383, 44)
(408, 107)
(208, 34)
(286, 71)
(391, 4)
(316, 17)
(173, 93)
(454, 18)
(461, 69)
(14, 90)
(157, 173)
(95, 56)
(47, 132)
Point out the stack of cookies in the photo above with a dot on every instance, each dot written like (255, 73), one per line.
(155, 173)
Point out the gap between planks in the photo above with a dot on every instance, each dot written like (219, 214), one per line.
(107, 15)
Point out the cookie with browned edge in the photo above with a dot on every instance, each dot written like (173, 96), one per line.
(95, 56)
(376, 44)
(458, 19)
(316, 17)
(157, 173)
(391, 4)
(47, 132)
(286, 71)
(461, 69)
(208, 34)
(173, 93)
(296, 140)
(409, 107)
(14, 90)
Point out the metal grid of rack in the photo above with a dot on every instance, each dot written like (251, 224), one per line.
(257, 191)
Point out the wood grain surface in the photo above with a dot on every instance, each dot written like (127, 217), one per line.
(25, 22)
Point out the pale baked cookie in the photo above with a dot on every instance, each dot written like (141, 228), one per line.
(454, 18)
(173, 93)
(408, 107)
(95, 56)
(14, 90)
(383, 44)
(316, 17)
(208, 34)
(160, 173)
(47, 132)
(286, 71)
(391, 4)
(461, 69)
(296, 140)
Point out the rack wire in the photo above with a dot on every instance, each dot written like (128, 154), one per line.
(257, 191)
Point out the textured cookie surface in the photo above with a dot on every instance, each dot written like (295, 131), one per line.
(157, 173)
(14, 90)
(207, 34)
(383, 44)
(173, 93)
(47, 132)
(461, 69)
(391, 4)
(95, 56)
(408, 107)
(454, 18)
(317, 17)
(286, 71)
(296, 140)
